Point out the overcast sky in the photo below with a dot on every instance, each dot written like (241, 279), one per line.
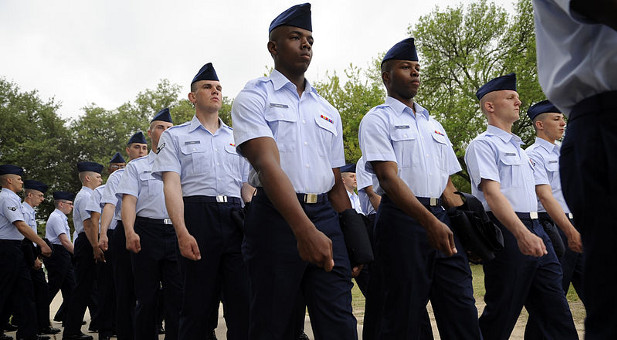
(107, 51)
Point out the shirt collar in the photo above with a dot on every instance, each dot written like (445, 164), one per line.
(279, 81)
(546, 145)
(196, 124)
(61, 213)
(151, 156)
(399, 108)
(504, 135)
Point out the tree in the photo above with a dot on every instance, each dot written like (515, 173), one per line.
(362, 91)
(462, 48)
(34, 137)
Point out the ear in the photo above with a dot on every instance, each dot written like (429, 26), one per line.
(272, 48)
(385, 77)
(489, 107)
(539, 125)
(192, 97)
(149, 134)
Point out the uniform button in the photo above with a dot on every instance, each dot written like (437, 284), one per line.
(215, 149)
(217, 163)
(305, 143)
(303, 121)
(307, 165)
(194, 149)
(405, 135)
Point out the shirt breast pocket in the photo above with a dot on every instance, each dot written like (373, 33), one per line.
(326, 132)
(144, 181)
(441, 145)
(404, 144)
(232, 162)
(282, 121)
(552, 170)
(193, 158)
(511, 170)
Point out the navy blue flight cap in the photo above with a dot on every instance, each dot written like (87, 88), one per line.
(117, 158)
(63, 195)
(348, 168)
(10, 169)
(297, 16)
(507, 82)
(36, 185)
(163, 116)
(541, 107)
(403, 50)
(137, 137)
(206, 72)
(89, 166)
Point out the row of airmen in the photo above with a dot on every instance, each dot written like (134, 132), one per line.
(187, 196)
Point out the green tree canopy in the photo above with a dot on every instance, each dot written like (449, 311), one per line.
(460, 49)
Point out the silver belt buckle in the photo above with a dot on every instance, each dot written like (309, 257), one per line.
(221, 199)
(571, 216)
(167, 221)
(533, 215)
(310, 198)
(433, 201)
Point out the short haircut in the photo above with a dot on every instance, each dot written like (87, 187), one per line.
(541, 116)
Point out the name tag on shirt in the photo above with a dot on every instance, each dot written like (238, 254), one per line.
(192, 142)
(510, 154)
(282, 106)
(553, 161)
(401, 126)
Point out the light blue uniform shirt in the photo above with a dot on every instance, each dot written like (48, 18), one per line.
(365, 179)
(80, 214)
(57, 224)
(417, 143)
(138, 181)
(10, 211)
(207, 163)
(355, 202)
(497, 155)
(29, 215)
(109, 196)
(307, 130)
(94, 204)
(545, 157)
(576, 58)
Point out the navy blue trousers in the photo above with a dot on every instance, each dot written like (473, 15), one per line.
(156, 263)
(106, 293)
(16, 288)
(411, 273)
(572, 268)
(221, 266)
(60, 275)
(513, 280)
(85, 275)
(588, 168)
(280, 279)
(123, 284)
(41, 297)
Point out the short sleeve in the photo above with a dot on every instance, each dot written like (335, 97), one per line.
(539, 171)
(247, 114)
(109, 194)
(374, 138)
(12, 210)
(167, 156)
(481, 162)
(337, 156)
(129, 183)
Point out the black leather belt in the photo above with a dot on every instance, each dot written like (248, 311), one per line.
(153, 220)
(302, 197)
(430, 201)
(527, 215)
(212, 199)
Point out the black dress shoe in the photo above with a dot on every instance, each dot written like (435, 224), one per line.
(77, 336)
(211, 336)
(104, 337)
(49, 330)
(5, 337)
(303, 336)
(161, 330)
